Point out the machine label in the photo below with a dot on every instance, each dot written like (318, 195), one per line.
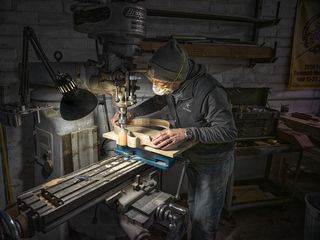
(136, 13)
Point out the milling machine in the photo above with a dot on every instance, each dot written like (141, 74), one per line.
(118, 27)
(131, 184)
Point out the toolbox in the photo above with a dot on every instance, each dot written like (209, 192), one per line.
(253, 119)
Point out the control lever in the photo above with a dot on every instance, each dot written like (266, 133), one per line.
(183, 172)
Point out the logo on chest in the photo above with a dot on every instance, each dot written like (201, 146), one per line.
(187, 107)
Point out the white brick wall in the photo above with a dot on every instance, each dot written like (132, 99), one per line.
(51, 20)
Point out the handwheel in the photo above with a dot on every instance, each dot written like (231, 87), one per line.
(8, 227)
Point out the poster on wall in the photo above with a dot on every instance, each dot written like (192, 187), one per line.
(305, 59)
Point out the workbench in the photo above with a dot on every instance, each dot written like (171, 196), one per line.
(262, 198)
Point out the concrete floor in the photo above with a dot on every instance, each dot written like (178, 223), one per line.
(284, 222)
(266, 223)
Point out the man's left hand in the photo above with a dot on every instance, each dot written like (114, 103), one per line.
(169, 139)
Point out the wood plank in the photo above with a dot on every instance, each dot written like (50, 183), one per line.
(146, 132)
(294, 137)
(308, 127)
(5, 166)
(210, 16)
(218, 50)
(150, 122)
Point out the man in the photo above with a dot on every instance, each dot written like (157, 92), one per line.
(199, 108)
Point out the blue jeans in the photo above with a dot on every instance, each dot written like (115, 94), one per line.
(207, 185)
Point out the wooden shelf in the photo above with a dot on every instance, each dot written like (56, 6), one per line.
(218, 50)
(260, 23)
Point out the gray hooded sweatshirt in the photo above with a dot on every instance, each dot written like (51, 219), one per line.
(200, 104)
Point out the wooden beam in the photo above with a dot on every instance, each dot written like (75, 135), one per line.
(218, 50)
(5, 166)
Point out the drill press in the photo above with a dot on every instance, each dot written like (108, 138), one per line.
(119, 28)
(123, 98)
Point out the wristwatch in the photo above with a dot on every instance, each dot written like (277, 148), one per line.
(188, 134)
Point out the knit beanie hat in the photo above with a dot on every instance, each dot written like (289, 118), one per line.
(170, 62)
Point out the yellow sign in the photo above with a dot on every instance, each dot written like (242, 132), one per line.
(305, 60)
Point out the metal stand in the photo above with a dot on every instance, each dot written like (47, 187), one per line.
(269, 152)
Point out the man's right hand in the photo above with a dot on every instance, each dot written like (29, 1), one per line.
(116, 116)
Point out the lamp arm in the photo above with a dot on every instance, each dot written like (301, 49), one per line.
(75, 103)
(24, 74)
(31, 36)
(63, 81)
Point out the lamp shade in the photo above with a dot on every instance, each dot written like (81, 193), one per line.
(77, 104)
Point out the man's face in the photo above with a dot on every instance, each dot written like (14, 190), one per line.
(163, 87)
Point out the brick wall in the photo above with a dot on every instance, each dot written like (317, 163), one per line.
(52, 21)
(235, 72)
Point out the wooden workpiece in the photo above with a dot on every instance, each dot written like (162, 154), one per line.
(139, 134)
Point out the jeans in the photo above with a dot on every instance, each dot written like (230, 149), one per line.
(207, 185)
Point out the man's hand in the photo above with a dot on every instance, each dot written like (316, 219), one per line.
(116, 116)
(169, 139)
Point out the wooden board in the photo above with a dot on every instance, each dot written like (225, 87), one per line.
(144, 135)
(218, 50)
(294, 137)
(143, 122)
(308, 127)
